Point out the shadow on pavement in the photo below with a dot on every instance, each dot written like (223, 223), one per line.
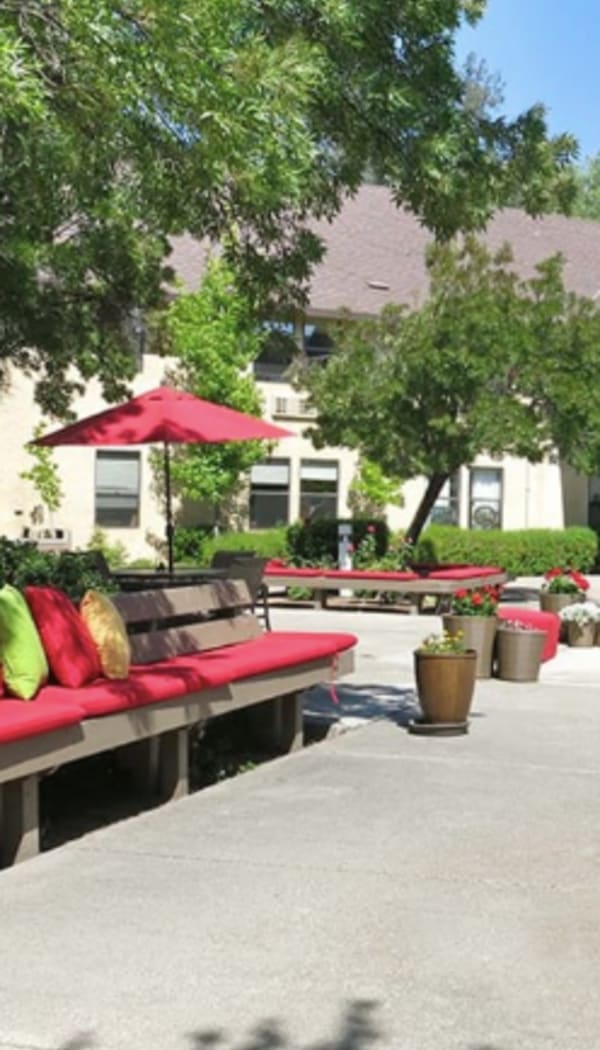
(360, 701)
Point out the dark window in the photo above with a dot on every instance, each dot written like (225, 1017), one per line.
(277, 353)
(318, 488)
(269, 494)
(317, 342)
(117, 489)
(485, 503)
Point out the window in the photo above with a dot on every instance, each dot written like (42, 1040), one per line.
(118, 489)
(485, 504)
(317, 342)
(269, 494)
(318, 488)
(445, 510)
(277, 353)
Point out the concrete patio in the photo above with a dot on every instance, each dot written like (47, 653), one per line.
(374, 890)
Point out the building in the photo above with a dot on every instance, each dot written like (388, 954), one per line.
(375, 255)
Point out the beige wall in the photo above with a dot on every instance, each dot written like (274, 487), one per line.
(541, 495)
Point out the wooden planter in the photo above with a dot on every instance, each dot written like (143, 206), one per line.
(478, 633)
(582, 635)
(519, 654)
(555, 602)
(445, 684)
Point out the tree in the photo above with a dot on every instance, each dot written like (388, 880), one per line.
(43, 473)
(587, 201)
(124, 122)
(371, 490)
(214, 337)
(489, 363)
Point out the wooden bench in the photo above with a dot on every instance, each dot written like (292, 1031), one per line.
(197, 652)
(440, 583)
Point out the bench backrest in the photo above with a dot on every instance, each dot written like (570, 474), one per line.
(178, 620)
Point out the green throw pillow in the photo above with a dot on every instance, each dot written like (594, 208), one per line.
(22, 655)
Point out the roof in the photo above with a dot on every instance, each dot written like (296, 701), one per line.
(375, 253)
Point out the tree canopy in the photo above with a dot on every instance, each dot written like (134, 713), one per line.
(587, 200)
(125, 122)
(490, 364)
(213, 338)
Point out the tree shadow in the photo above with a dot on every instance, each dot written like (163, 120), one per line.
(361, 701)
(358, 1030)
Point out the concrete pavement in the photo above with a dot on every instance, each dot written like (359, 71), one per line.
(375, 890)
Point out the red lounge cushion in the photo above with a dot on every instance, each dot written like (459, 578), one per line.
(291, 570)
(274, 564)
(368, 574)
(463, 572)
(543, 621)
(72, 655)
(168, 679)
(271, 651)
(42, 715)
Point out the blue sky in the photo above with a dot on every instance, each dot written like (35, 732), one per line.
(545, 51)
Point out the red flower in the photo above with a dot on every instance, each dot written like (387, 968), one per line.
(370, 528)
(461, 594)
(476, 598)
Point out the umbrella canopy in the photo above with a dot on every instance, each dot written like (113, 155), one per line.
(165, 416)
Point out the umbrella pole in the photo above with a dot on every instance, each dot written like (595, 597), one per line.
(168, 507)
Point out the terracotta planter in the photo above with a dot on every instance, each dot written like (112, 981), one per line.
(583, 635)
(519, 654)
(478, 633)
(445, 684)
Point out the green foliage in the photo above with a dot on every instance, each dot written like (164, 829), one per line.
(587, 201)
(490, 363)
(115, 553)
(125, 124)
(316, 542)
(189, 544)
(441, 644)
(214, 336)
(266, 543)
(22, 564)
(371, 491)
(525, 552)
(43, 473)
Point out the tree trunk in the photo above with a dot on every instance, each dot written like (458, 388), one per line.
(434, 487)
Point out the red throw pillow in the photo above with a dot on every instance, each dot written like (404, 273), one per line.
(70, 650)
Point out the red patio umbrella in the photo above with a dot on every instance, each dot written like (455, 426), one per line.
(165, 416)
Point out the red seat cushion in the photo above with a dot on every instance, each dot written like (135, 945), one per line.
(543, 621)
(72, 655)
(179, 675)
(290, 570)
(462, 572)
(368, 574)
(271, 651)
(42, 715)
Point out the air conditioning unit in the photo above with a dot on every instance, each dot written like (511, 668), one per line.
(292, 408)
(49, 539)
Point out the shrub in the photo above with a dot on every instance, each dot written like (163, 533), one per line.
(73, 572)
(267, 543)
(521, 552)
(316, 542)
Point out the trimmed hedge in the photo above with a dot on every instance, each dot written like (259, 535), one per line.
(317, 541)
(267, 543)
(522, 552)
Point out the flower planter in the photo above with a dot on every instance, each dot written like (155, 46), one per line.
(555, 602)
(519, 654)
(478, 633)
(581, 634)
(445, 685)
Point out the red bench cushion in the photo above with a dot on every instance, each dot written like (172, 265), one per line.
(42, 715)
(462, 572)
(290, 570)
(543, 621)
(368, 574)
(179, 675)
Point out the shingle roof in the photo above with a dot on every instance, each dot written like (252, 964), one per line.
(375, 253)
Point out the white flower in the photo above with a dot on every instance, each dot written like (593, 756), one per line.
(581, 613)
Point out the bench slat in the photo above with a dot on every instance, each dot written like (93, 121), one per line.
(202, 600)
(194, 637)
